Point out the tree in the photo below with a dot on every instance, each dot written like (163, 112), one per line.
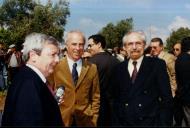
(114, 33)
(176, 36)
(20, 17)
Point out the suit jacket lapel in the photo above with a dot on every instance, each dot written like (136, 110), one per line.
(65, 69)
(141, 77)
(143, 71)
(84, 70)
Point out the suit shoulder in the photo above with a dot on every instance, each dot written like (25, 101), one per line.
(155, 60)
(91, 64)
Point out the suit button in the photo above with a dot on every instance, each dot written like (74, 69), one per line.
(145, 92)
(126, 104)
(140, 105)
(159, 99)
(140, 118)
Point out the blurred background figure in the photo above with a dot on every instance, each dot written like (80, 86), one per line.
(157, 50)
(182, 98)
(122, 54)
(63, 52)
(177, 49)
(14, 61)
(86, 55)
(147, 51)
(3, 70)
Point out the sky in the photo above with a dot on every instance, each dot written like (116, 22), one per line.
(154, 17)
(157, 18)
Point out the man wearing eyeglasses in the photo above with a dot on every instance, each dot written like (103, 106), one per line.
(177, 49)
(140, 88)
(157, 50)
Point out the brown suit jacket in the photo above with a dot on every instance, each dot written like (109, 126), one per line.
(81, 101)
(170, 63)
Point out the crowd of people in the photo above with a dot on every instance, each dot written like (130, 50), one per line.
(136, 85)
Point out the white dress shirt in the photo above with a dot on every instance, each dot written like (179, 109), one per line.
(79, 65)
(131, 66)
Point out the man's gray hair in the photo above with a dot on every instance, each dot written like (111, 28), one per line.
(141, 34)
(67, 37)
(35, 42)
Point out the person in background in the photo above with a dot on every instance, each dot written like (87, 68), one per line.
(182, 67)
(80, 79)
(177, 49)
(105, 63)
(86, 55)
(157, 50)
(140, 87)
(29, 100)
(122, 54)
(3, 70)
(14, 61)
(147, 51)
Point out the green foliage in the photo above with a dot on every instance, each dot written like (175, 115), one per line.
(21, 17)
(114, 33)
(176, 36)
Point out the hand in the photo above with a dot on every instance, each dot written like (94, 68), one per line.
(61, 100)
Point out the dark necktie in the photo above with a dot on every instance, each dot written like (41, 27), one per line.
(134, 74)
(75, 73)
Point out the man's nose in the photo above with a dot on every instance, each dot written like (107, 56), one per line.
(56, 58)
(134, 46)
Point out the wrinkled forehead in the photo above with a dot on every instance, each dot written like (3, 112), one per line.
(75, 37)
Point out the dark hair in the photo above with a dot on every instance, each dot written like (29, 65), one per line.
(185, 44)
(157, 39)
(97, 38)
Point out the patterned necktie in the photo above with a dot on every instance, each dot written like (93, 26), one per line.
(75, 73)
(134, 74)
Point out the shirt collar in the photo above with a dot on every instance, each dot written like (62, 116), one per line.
(71, 62)
(139, 61)
(37, 71)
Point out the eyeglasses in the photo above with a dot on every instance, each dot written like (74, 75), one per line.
(176, 49)
(90, 45)
(153, 47)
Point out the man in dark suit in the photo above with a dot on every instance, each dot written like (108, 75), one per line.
(29, 101)
(105, 63)
(140, 87)
(182, 68)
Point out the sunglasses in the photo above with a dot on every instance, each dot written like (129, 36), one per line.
(90, 45)
(153, 47)
(176, 49)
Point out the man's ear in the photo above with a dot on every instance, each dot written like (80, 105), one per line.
(99, 45)
(33, 56)
(124, 48)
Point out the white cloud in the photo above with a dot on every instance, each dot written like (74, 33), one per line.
(179, 22)
(154, 31)
(89, 24)
(187, 6)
